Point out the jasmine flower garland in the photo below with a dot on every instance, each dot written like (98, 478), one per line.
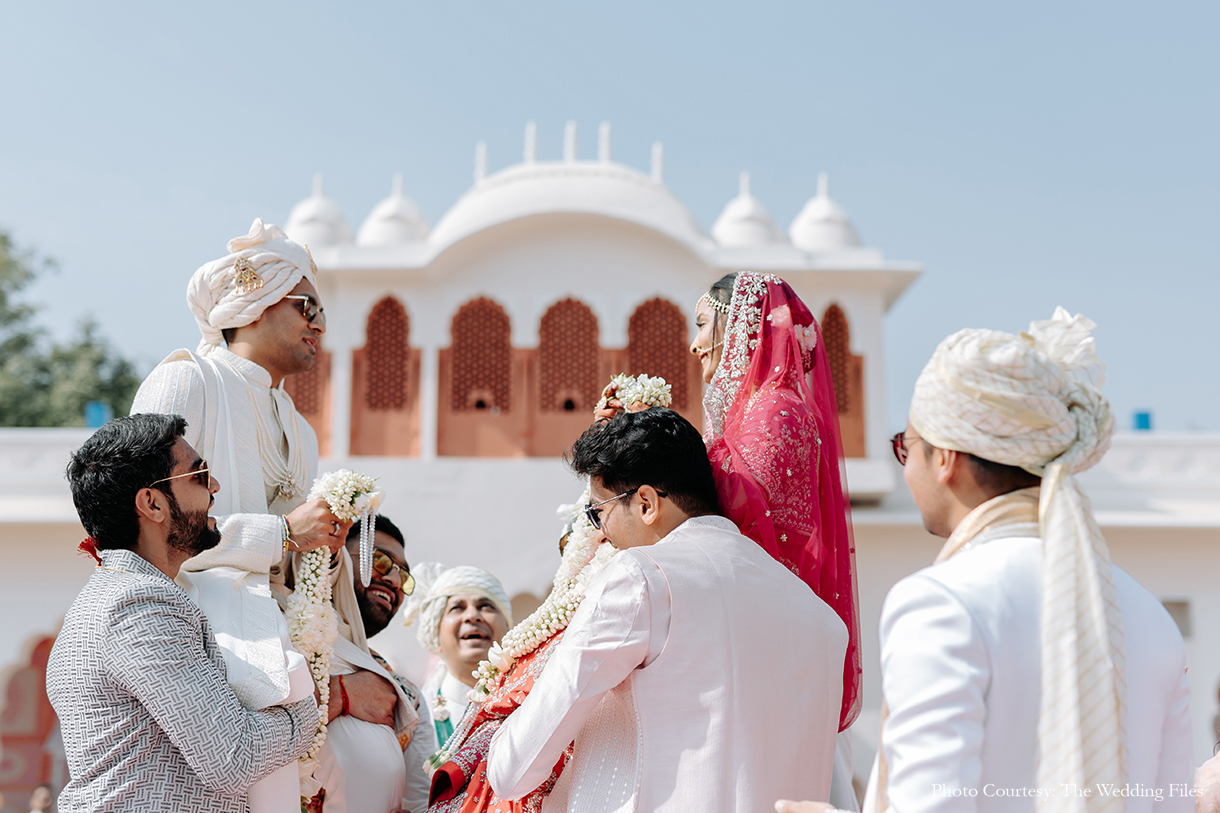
(312, 623)
(313, 627)
(352, 496)
(583, 558)
(652, 391)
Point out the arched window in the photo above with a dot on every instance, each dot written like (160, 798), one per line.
(306, 389)
(482, 357)
(568, 350)
(838, 348)
(386, 359)
(657, 345)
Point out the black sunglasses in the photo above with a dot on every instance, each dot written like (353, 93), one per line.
(310, 308)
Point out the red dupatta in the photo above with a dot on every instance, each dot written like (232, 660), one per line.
(772, 434)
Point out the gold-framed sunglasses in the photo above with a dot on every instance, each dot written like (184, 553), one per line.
(202, 476)
(383, 564)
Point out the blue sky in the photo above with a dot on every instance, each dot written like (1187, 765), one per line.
(1030, 154)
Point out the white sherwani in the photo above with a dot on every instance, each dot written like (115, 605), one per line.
(667, 677)
(217, 395)
(960, 668)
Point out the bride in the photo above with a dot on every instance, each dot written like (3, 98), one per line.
(772, 433)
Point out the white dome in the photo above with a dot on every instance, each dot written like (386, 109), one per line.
(823, 225)
(317, 221)
(394, 220)
(745, 221)
(585, 187)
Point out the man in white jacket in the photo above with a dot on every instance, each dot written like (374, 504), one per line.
(1023, 671)
(698, 674)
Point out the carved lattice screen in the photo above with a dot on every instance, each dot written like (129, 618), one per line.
(838, 348)
(657, 345)
(481, 357)
(567, 350)
(386, 359)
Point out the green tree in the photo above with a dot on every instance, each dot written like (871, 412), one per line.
(46, 383)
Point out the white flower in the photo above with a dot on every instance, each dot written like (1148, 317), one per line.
(498, 658)
(313, 626)
(651, 391)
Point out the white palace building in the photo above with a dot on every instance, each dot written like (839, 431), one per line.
(462, 358)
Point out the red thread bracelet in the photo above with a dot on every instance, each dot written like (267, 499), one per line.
(343, 694)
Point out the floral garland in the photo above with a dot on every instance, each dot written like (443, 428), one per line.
(312, 622)
(313, 626)
(652, 391)
(352, 496)
(583, 558)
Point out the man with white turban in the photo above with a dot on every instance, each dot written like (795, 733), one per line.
(1023, 670)
(260, 314)
(458, 612)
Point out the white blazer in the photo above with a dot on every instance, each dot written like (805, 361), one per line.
(960, 671)
(667, 678)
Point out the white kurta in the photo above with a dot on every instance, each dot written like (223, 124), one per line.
(666, 679)
(960, 664)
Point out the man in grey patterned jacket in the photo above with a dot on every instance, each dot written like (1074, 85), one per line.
(149, 721)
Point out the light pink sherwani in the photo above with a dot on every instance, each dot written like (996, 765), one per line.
(667, 677)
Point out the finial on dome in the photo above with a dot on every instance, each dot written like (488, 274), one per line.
(744, 185)
(658, 162)
(823, 185)
(603, 142)
(317, 184)
(396, 185)
(480, 161)
(569, 142)
(531, 142)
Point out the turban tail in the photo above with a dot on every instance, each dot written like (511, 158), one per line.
(434, 584)
(1034, 401)
(220, 297)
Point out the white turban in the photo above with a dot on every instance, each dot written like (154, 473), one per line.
(1033, 400)
(434, 584)
(219, 300)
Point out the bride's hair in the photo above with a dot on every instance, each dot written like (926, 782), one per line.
(722, 292)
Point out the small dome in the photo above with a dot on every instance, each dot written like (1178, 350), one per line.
(823, 225)
(745, 221)
(395, 220)
(317, 221)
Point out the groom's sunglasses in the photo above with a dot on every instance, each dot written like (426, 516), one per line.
(310, 308)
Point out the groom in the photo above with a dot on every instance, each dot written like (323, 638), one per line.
(675, 697)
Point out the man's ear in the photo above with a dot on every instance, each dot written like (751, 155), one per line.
(949, 465)
(152, 505)
(650, 505)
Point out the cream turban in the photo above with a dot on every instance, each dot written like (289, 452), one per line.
(434, 584)
(1034, 401)
(219, 300)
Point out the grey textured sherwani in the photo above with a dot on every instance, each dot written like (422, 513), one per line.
(149, 722)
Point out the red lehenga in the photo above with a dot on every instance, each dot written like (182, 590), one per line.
(460, 785)
(772, 434)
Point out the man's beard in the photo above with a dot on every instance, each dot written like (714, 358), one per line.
(373, 614)
(190, 532)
